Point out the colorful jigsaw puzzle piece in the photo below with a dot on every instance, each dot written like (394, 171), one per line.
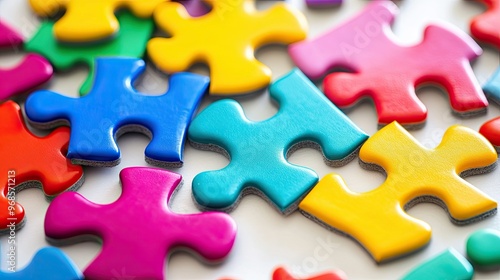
(31, 161)
(483, 248)
(486, 26)
(33, 71)
(90, 21)
(492, 87)
(259, 150)
(282, 274)
(447, 265)
(387, 72)
(8, 37)
(144, 200)
(163, 118)
(48, 264)
(129, 42)
(225, 37)
(415, 174)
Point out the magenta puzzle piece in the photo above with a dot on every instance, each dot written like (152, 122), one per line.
(387, 72)
(195, 8)
(8, 37)
(139, 229)
(33, 71)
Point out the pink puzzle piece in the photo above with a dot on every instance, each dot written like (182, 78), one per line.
(486, 27)
(387, 72)
(8, 37)
(33, 71)
(139, 229)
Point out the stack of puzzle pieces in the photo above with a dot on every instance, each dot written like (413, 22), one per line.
(357, 59)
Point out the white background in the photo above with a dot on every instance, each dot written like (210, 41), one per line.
(266, 239)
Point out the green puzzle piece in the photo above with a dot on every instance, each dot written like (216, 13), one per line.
(129, 42)
(483, 248)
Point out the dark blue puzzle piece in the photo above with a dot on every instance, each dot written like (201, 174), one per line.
(114, 107)
(48, 264)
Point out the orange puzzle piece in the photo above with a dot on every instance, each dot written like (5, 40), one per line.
(27, 160)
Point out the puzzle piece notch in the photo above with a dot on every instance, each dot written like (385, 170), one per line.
(414, 174)
(129, 42)
(164, 118)
(90, 21)
(364, 45)
(49, 263)
(447, 265)
(483, 248)
(258, 151)
(46, 163)
(9, 37)
(485, 27)
(227, 36)
(282, 274)
(145, 197)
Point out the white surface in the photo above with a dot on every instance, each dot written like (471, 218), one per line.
(266, 239)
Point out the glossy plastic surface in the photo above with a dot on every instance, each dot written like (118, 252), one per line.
(165, 118)
(139, 229)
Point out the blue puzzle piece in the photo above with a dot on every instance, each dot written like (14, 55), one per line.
(447, 265)
(114, 107)
(48, 264)
(492, 87)
(258, 150)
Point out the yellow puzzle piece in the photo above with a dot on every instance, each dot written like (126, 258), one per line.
(377, 219)
(225, 39)
(90, 20)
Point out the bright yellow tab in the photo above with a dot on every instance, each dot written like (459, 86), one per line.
(90, 20)
(225, 39)
(415, 174)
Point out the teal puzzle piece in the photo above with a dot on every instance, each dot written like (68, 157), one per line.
(258, 150)
(129, 42)
(447, 265)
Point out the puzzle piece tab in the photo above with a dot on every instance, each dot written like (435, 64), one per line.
(258, 150)
(486, 27)
(415, 174)
(447, 265)
(129, 42)
(48, 264)
(282, 274)
(491, 130)
(89, 21)
(225, 39)
(141, 211)
(33, 71)
(164, 118)
(28, 161)
(8, 37)
(388, 72)
(483, 248)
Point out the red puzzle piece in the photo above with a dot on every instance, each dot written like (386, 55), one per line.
(27, 160)
(388, 72)
(491, 130)
(33, 71)
(281, 274)
(486, 27)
